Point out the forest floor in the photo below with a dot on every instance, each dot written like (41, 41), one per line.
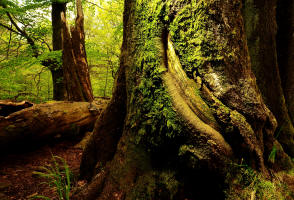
(17, 178)
(18, 171)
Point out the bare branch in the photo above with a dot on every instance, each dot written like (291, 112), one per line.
(46, 43)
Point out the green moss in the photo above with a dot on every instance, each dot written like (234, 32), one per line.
(155, 185)
(194, 38)
(152, 109)
(193, 154)
(245, 183)
(10, 128)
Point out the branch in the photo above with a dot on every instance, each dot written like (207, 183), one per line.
(10, 29)
(24, 34)
(44, 42)
(8, 48)
(15, 25)
(97, 5)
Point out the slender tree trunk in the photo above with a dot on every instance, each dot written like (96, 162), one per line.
(59, 92)
(190, 107)
(75, 65)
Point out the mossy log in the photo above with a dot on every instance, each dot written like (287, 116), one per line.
(46, 120)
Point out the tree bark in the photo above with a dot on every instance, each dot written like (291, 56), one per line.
(192, 107)
(261, 29)
(285, 44)
(59, 92)
(75, 65)
(46, 120)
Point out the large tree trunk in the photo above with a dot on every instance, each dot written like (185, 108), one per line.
(44, 120)
(190, 107)
(285, 43)
(75, 65)
(261, 28)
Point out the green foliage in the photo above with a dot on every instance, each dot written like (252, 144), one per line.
(23, 77)
(104, 31)
(55, 56)
(272, 156)
(33, 83)
(58, 176)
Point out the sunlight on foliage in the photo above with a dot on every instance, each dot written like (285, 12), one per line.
(22, 76)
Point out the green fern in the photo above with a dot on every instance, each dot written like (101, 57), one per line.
(58, 176)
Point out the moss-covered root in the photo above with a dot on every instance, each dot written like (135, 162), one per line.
(188, 104)
(209, 39)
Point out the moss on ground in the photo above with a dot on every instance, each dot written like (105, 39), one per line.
(245, 183)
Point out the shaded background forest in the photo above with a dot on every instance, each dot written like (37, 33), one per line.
(22, 76)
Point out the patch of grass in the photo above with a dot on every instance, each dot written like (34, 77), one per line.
(272, 156)
(58, 176)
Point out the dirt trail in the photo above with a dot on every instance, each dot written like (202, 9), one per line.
(17, 181)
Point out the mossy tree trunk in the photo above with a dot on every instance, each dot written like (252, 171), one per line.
(186, 107)
(75, 66)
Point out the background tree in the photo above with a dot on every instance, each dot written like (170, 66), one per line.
(75, 65)
(24, 40)
(58, 8)
(186, 107)
(103, 31)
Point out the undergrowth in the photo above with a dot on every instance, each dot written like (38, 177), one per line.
(245, 183)
(58, 176)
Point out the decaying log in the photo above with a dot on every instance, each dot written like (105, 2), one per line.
(45, 120)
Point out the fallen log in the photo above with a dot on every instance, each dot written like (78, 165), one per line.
(47, 120)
